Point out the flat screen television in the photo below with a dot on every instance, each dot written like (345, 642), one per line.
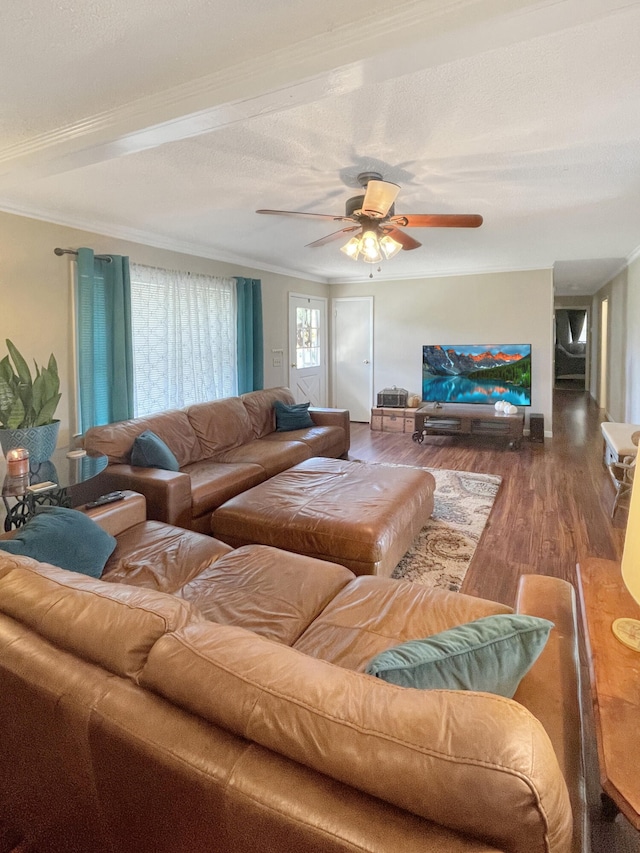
(477, 374)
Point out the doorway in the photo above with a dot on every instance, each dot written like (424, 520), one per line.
(352, 363)
(571, 355)
(308, 348)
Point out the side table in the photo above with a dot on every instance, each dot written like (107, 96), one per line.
(65, 472)
(614, 672)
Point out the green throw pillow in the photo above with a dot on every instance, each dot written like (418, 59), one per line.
(150, 451)
(491, 655)
(292, 416)
(65, 538)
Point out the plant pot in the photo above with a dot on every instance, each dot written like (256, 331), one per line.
(40, 441)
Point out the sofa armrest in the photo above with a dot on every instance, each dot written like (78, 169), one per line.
(552, 689)
(114, 518)
(117, 517)
(333, 417)
(168, 493)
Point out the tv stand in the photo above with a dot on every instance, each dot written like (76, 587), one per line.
(455, 419)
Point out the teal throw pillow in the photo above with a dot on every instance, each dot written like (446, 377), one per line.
(292, 416)
(150, 451)
(66, 538)
(491, 655)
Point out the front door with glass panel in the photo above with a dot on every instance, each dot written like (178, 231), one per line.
(308, 349)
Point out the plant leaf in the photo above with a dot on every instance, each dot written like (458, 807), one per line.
(6, 400)
(22, 368)
(16, 415)
(6, 371)
(52, 367)
(45, 415)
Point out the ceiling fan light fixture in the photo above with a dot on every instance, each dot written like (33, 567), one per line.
(370, 247)
(352, 248)
(389, 246)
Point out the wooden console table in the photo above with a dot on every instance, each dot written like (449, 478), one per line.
(615, 685)
(455, 419)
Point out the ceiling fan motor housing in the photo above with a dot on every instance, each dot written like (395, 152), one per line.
(353, 205)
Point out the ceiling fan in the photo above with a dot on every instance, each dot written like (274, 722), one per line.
(373, 216)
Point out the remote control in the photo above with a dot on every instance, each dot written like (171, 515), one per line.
(42, 487)
(112, 497)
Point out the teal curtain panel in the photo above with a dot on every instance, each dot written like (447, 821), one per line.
(250, 335)
(105, 357)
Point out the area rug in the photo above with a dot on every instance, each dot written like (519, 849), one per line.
(442, 552)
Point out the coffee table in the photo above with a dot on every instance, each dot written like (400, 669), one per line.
(364, 517)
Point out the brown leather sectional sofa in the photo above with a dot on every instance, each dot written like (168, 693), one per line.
(223, 447)
(201, 698)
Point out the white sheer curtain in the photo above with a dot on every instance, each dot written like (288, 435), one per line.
(184, 338)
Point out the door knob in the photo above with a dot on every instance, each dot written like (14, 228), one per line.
(366, 361)
(293, 365)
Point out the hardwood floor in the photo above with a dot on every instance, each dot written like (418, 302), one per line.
(553, 510)
(554, 504)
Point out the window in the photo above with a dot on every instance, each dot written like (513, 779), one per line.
(184, 338)
(582, 337)
(307, 337)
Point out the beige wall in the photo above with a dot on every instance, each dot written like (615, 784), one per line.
(514, 307)
(623, 372)
(35, 295)
(35, 308)
(631, 364)
(616, 404)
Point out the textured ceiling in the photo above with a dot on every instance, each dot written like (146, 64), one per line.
(170, 122)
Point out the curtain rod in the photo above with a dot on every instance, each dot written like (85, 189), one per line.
(61, 252)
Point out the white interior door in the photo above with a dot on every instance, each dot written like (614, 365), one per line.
(352, 372)
(308, 348)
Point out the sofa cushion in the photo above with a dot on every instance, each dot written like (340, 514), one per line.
(220, 425)
(491, 654)
(266, 590)
(321, 440)
(158, 556)
(213, 483)
(291, 416)
(273, 456)
(110, 624)
(372, 614)
(435, 746)
(65, 538)
(174, 428)
(259, 406)
(150, 451)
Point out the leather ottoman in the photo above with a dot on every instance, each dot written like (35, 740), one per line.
(364, 517)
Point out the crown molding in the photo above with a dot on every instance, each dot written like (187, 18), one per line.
(448, 273)
(198, 250)
(633, 256)
(156, 241)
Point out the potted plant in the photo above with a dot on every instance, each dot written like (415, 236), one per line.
(27, 405)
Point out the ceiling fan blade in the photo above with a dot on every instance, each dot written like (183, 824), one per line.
(310, 215)
(437, 220)
(399, 236)
(378, 198)
(333, 236)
